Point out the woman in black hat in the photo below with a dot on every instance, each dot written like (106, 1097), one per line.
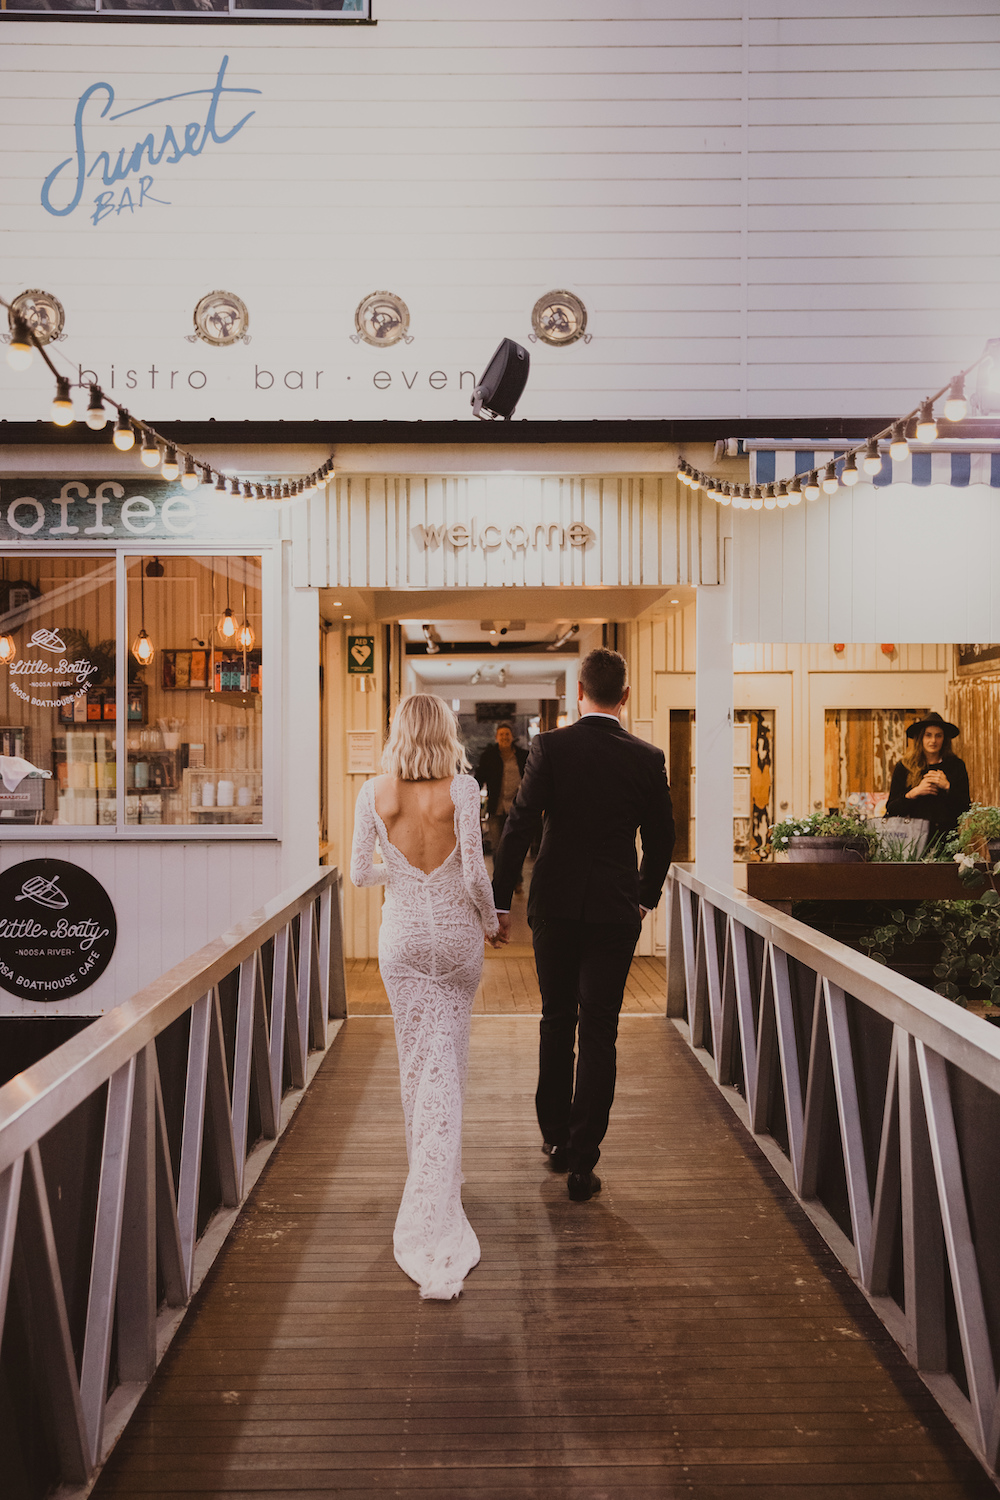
(930, 782)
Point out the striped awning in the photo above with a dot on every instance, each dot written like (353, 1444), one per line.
(958, 469)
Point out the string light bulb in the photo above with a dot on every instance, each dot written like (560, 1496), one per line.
(757, 501)
(189, 479)
(170, 468)
(97, 415)
(123, 436)
(830, 481)
(782, 497)
(899, 448)
(220, 484)
(812, 490)
(206, 474)
(62, 403)
(849, 473)
(149, 453)
(926, 425)
(955, 405)
(8, 648)
(21, 349)
(872, 461)
(795, 491)
(770, 499)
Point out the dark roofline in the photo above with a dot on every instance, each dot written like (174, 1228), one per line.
(483, 434)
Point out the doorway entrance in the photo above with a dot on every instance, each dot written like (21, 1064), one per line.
(497, 657)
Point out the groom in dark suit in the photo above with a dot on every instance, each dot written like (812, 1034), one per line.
(595, 784)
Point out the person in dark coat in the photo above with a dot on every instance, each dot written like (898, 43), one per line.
(930, 782)
(595, 784)
(500, 769)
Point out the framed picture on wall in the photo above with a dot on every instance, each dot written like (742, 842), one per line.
(970, 661)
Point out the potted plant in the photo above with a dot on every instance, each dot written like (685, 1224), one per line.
(826, 838)
(979, 835)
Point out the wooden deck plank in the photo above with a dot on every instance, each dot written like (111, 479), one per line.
(684, 1334)
(509, 987)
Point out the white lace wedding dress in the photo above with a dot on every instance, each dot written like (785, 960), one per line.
(430, 952)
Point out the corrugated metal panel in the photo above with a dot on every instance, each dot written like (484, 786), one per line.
(391, 531)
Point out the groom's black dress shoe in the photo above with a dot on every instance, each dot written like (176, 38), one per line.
(583, 1185)
(558, 1157)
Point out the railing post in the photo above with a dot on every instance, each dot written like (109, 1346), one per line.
(137, 1260)
(333, 962)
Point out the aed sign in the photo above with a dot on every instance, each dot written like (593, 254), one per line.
(360, 655)
(57, 929)
(110, 510)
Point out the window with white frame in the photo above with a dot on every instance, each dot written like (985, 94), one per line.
(189, 10)
(131, 692)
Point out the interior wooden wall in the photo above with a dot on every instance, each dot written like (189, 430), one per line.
(973, 703)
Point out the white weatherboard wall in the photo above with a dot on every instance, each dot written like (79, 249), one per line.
(398, 532)
(776, 207)
(897, 564)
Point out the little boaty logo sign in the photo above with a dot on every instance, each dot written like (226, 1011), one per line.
(57, 929)
(159, 134)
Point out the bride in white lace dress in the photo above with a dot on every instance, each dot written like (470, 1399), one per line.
(424, 816)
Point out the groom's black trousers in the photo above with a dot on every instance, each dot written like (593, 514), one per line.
(582, 968)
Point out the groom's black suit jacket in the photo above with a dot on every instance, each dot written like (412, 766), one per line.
(595, 784)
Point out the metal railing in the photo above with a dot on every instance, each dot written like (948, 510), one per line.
(878, 1103)
(126, 1154)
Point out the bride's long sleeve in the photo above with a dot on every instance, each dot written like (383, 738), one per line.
(364, 870)
(470, 838)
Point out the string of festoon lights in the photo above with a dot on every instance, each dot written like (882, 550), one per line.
(154, 450)
(919, 425)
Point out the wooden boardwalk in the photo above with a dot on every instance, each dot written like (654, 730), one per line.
(509, 987)
(684, 1334)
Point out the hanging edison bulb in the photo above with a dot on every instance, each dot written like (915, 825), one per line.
(245, 636)
(8, 648)
(143, 649)
(227, 624)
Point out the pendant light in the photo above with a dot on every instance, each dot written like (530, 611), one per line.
(97, 415)
(149, 453)
(227, 620)
(62, 403)
(245, 636)
(142, 646)
(123, 436)
(955, 406)
(8, 646)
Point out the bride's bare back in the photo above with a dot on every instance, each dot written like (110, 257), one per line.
(419, 817)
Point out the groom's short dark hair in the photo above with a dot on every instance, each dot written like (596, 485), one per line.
(603, 677)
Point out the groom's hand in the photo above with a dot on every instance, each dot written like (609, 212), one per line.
(503, 917)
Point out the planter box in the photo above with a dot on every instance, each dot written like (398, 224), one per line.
(825, 849)
(781, 884)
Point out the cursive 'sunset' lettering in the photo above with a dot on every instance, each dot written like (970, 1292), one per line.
(171, 146)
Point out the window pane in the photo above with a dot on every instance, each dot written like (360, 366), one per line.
(57, 690)
(195, 725)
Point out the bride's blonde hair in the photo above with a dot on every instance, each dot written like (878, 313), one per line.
(423, 743)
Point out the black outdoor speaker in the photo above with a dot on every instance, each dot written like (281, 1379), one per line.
(499, 389)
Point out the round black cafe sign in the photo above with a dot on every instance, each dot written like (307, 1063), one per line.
(57, 929)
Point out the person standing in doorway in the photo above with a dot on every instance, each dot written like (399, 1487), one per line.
(595, 784)
(500, 769)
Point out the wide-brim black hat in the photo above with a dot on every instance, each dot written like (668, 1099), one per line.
(933, 721)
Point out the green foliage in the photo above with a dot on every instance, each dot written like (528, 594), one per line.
(818, 825)
(976, 828)
(969, 934)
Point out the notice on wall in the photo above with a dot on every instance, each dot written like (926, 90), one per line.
(361, 747)
(57, 929)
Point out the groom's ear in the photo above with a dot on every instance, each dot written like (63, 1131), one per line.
(625, 697)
